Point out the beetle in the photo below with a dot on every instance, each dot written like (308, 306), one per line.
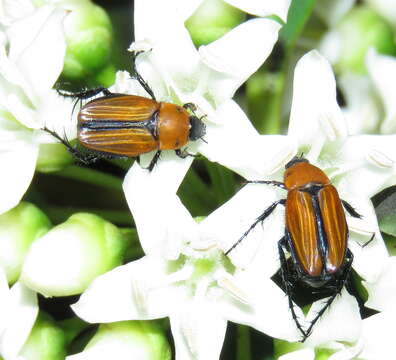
(316, 234)
(121, 125)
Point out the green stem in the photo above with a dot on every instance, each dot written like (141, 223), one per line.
(59, 214)
(90, 176)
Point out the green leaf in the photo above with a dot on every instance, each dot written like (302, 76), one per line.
(387, 224)
(299, 13)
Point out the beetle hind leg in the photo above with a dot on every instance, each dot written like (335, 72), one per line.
(341, 282)
(82, 157)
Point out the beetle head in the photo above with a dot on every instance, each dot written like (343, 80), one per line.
(198, 128)
(297, 159)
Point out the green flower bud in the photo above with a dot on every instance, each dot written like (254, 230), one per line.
(361, 29)
(72, 254)
(19, 227)
(142, 340)
(212, 20)
(46, 341)
(53, 157)
(88, 34)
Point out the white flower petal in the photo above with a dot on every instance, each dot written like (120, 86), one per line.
(236, 144)
(30, 38)
(22, 313)
(173, 51)
(315, 113)
(362, 113)
(382, 292)
(15, 9)
(331, 45)
(372, 164)
(128, 292)
(268, 309)
(370, 260)
(198, 331)
(263, 8)
(331, 11)
(327, 328)
(382, 69)
(228, 223)
(377, 336)
(302, 354)
(152, 195)
(18, 163)
(237, 55)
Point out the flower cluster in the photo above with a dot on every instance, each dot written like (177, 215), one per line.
(184, 274)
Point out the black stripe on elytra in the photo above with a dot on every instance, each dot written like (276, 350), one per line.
(106, 124)
(322, 241)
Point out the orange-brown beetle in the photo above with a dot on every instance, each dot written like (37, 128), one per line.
(127, 125)
(316, 234)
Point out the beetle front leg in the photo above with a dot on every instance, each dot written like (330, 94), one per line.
(154, 160)
(261, 218)
(271, 182)
(183, 153)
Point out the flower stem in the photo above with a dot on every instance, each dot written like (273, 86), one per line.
(91, 176)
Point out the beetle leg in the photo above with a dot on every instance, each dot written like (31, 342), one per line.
(261, 218)
(274, 183)
(183, 153)
(79, 155)
(86, 94)
(285, 274)
(140, 80)
(339, 285)
(350, 209)
(154, 160)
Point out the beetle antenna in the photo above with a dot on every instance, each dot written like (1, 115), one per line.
(203, 140)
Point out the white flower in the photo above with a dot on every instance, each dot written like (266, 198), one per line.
(177, 72)
(31, 59)
(199, 292)
(18, 312)
(359, 167)
(363, 112)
